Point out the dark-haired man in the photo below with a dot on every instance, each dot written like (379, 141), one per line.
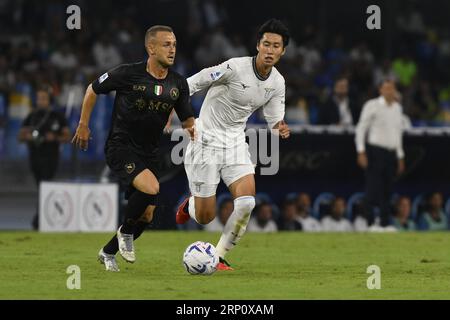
(339, 108)
(44, 129)
(236, 88)
(146, 93)
(382, 157)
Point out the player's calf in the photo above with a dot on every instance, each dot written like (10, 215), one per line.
(205, 215)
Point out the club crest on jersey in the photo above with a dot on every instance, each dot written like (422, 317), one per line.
(174, 93)
(215, 75)
(158, 90)
(268, 92)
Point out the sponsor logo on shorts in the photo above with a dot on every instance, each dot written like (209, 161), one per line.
(129, 167)
(198, 186)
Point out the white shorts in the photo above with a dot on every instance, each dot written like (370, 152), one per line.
(206, 165)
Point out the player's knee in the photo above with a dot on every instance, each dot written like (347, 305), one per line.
(143, 200)
(244, 204)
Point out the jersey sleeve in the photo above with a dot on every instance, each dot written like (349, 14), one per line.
(112, 80)
(183, 107)
(274, 109)
(216, 74)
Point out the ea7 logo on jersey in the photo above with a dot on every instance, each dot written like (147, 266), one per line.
(216, 75)
(103, 77)
(268, 92)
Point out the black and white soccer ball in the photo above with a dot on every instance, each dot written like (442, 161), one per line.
(200, 258)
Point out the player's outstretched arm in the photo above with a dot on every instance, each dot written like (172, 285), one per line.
(206, 77)
(81, 137)
(189, 125)
(283, 129)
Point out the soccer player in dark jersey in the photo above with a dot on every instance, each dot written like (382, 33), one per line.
(146, 93)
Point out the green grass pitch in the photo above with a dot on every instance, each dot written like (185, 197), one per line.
(267, 266)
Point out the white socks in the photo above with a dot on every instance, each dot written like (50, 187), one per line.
(191, 208)
(236, 224)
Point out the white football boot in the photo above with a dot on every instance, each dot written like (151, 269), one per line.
(109, 260)
(126, 246)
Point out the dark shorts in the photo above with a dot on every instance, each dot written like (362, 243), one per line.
(126, 164)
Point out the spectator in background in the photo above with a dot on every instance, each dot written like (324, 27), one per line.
(434, 219)
(311, 57)
(361, 54)
(383, 71)
(236, 48)
(204, 54)
(339, 109)
(401, 220)
(43, 130)
(262, 220)
(64, 58)
(360, 223)
(303, 204)
(405, 69)
(298, 113)
(226, 208)
(382, 119)
(336, 221)
(288, 220)
(106, 54)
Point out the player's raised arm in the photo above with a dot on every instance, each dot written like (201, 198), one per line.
(206, 77)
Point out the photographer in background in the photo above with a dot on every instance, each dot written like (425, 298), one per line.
(43, 130)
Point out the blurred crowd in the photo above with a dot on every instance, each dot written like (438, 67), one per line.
(333, 213)
(36, 48)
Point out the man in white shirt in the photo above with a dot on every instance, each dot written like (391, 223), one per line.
(381, 120)
(336, 221)
(309, 224)
(262, 221)
(236, 88)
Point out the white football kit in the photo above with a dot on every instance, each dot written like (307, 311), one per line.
(235, 91)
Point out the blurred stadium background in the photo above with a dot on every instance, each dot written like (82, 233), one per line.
(329, 39)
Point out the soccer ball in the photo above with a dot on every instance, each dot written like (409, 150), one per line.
(200, 258)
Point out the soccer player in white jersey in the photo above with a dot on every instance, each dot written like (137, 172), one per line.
(236, 88)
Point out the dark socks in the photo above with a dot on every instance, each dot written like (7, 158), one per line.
(137, 203)
(112, 247)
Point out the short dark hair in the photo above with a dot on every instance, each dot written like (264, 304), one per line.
(274, 26)
(388, 79)
(151, 32)
(45, 88)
